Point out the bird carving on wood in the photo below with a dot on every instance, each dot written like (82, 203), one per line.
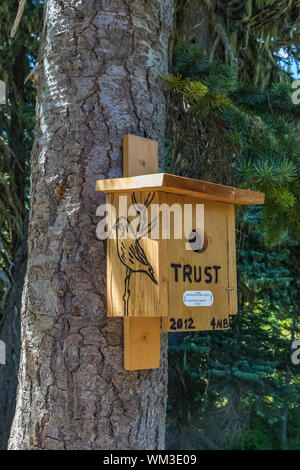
(130, 251)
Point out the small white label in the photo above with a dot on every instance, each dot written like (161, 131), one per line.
(198, 298)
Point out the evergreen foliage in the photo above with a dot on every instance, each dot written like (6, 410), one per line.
(260, 127)
(17, 57)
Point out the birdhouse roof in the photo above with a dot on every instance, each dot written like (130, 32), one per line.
(180, 185)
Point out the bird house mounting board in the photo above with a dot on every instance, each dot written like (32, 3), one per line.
(202, 280)
(152, 278)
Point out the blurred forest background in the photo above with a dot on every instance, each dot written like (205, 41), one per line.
(231, 120)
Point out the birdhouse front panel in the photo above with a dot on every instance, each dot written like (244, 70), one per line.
(202, 279)
(136, 278)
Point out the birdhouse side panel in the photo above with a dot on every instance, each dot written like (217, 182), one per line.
(136, 283)
(232, 278)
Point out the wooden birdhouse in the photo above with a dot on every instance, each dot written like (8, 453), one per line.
(171, 249)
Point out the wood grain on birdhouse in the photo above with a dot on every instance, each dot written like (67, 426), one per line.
(137, 277)
(140, 156)
(141, 343)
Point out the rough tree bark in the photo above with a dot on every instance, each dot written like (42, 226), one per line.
(99, 79)
(10, 333)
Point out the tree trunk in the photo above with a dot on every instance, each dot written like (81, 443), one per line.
(99, 79)
(11, 335)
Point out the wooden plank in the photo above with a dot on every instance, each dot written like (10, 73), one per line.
(194, 276)
(141, 343)
(140, 156)
(141, 335)
(134, 288)
(2, 92)
(180, 185)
